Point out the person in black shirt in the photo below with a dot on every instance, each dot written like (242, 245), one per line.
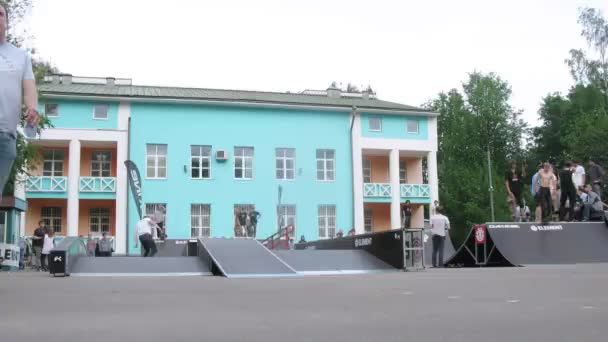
(37, 244)
(568, 192)
(407, 214)
(253, 222)
(242, 218)
(514, 183)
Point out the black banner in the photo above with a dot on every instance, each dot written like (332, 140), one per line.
(135, 182)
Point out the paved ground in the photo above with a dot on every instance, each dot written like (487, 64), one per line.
(559, 303)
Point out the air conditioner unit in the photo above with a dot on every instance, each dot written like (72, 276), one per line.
(221, 155)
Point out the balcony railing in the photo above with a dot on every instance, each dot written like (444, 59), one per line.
(376, 190)
(415, 191)
(97, 184)
(46, 184)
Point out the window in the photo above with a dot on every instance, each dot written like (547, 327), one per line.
(52, 217)
(52, 165)
(101, 112)
(153, 209)
(327, 221)
(412, 126)
(101, 163)
(287, 217)
(200, 220)
(368, 220)
(375, 124)
(99, 220)
(243, 162)
(51, 110)
(367, 170)
(402, 171)
(200, 161)
(156, 161)
(325, 165)
(285, 163)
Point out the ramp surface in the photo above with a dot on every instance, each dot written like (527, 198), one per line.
(448, 248)
(317, 262)
(553, 243)
(140, 266)
(244, 258)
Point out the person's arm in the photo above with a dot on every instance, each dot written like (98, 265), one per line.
(508, 188)
(30, 94)
(447, 224)
(136, 239)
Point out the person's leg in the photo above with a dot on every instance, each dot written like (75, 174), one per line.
(586, 212)
(38, 257)
(144, 245)
(43, 262)
(153, 249)
(597, 188)
(435, 249)
(546, 204)
(441, 242)
(408, 221)
(562, 204)
(572, 200)
(8, 151)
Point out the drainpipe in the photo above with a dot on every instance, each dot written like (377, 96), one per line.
(352, 169)
(128, 187)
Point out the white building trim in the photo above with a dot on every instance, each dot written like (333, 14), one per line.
(395, 189)
(357, 156)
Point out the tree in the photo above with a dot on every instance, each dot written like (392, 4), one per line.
(27, 154)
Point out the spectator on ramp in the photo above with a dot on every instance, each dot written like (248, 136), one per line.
(579, 174)
(439, 225)
(596, 177)
(546, 182)
(593, 203)
(533, 187)
(514, 184)
(568, 192)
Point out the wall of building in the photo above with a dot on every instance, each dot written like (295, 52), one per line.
(79, 114)
(84, 214)
(381, 214)
(414, 170)
(395, 127)
(34, 212)
(380, 173)
(224, 128)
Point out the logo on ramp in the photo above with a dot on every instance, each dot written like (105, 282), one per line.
(495, 226)
(363, 242)
(536, 228)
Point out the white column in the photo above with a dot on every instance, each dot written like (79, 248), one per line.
(431, 162)
(73, 187)
(395, 189)
(121, 196)
(357, 156)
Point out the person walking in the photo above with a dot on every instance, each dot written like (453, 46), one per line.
(143, 234)
(17, 89)
(49, 244)
(440, 224)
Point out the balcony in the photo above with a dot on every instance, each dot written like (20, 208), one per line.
(377, 192)
(381, 192)
(46, 187)
(97, 187)
(417, 193)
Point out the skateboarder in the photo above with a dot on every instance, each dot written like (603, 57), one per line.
(439, 225)
(143, 234)
(253, 221)
(545, 183)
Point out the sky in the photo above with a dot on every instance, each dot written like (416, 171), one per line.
(407, 50)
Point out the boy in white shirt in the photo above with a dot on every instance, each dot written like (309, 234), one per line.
(439, 225)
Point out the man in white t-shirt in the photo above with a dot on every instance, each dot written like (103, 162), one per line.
(439, 225)
(143, 234)
(579, 174)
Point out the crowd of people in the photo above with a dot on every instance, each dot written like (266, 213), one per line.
(567, 194)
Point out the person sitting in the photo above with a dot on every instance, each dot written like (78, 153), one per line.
(302, 239)
(105, 245)
(592, 205)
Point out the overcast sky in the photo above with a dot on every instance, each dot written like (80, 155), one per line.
(408, 50)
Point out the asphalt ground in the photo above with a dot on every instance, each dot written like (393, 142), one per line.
(541, 303)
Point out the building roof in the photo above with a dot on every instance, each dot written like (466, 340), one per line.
(220, 95)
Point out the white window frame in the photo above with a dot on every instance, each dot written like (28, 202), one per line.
(101, 105)
(96, 215)
(378, 120)
(204, 154)
(157, 157)
(240, 154)
(52, 216)
(150, 209)
(368, 220)
(55, 171)
(200, 220)
(101, 163)
(367, 170)
(324, 212)
(46, 110)
(407, 126)
(402, 171)
(287, 217)
(325, 160)
(282, 157)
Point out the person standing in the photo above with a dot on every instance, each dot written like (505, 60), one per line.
(568, 192)
(596, 177)
(514, 184)
(533, 186)
(544, 188)
(143, 234)
(440, 224)
(91, 245)
(37, 244)
(49, 244)
(105, 246)
(17, 88)
(579, 174)
(407, 214)
(242, 218)
(253, 222)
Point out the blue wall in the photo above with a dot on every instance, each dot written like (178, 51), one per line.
(394, 127)
(180, 126)
(79, 114)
